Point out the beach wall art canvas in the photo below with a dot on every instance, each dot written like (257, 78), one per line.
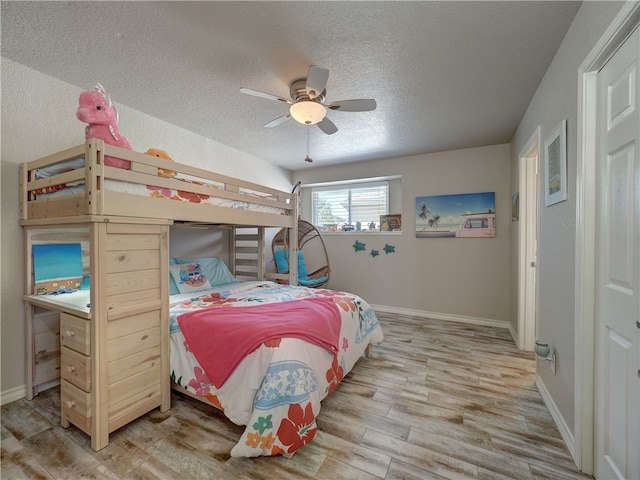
(57, 268)
(464, 215)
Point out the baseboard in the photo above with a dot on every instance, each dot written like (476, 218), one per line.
(443, 316)
(21, 391)
(513, 333)
(564, 429)
(12, 395)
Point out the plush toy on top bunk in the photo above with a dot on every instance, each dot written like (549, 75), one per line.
(162, 172)
(101, 115)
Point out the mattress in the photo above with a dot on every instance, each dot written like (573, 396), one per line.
(151, 190)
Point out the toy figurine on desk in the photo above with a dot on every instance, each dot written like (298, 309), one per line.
(56, 287)
(62, 289)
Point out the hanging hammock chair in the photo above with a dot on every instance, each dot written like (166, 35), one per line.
(312, 253)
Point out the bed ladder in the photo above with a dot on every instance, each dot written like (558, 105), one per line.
(247, 252)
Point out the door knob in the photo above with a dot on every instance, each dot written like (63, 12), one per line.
(638, 323)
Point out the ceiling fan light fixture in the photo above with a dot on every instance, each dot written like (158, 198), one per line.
(308, 112)
(307, 102)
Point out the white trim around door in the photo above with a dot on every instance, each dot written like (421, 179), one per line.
(527, 241)
(585, 270)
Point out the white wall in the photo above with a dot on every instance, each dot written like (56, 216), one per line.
(452, 277)
(38, 118)
(557, 99)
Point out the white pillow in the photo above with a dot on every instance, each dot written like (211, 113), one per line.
(214, 268)
(190, 277)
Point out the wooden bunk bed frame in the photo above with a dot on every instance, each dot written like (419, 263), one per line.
(112, 357)
(97, 203)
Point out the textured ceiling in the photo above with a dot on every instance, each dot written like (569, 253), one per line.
(445, 75)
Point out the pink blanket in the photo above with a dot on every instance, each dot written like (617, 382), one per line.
(221, 337)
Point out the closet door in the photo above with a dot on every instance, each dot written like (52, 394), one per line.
(617, 426)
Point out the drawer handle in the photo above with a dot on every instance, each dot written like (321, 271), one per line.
(71, 369)
(71, 403)
(70, 333)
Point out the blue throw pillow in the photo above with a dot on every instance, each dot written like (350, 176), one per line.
(173, 288)
(282, 264)
(303, 274)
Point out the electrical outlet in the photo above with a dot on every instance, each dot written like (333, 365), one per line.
(553, 361)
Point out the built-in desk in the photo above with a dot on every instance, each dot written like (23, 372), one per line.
(112, 357)
(75, 303)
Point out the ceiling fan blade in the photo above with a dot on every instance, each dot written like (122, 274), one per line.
(316, 80)
(268, 96)
(327, 126)
(360, 105)
(278, 121)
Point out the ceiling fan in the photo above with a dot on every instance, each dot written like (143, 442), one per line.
(308, 101)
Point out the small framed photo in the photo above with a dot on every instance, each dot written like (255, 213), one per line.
(555, 174)
(391, 223)
(515, 207)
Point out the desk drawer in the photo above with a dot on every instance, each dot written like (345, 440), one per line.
(76, 368)
(76, 406)
(75, 333)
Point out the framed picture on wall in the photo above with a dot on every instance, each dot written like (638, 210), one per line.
(555, 174)
(464, 215)
(515, 207)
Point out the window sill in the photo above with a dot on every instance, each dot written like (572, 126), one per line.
(362, 232)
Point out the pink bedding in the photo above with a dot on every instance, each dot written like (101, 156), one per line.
(316, 320)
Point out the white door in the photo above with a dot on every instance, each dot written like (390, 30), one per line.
(528, 237)
(617, 402)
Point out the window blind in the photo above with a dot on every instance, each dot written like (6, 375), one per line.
(340, 207)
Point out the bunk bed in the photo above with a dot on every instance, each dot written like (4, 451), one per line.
(123, 341)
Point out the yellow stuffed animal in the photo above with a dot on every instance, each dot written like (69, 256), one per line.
(162, 172)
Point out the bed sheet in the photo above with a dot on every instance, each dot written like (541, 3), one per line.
(147, 190)
(277, 389)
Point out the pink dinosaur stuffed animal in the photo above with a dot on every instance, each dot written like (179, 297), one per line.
(97, 110)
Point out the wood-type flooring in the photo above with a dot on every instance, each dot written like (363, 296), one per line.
(435, 400)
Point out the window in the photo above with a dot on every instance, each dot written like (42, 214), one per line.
(342, 207)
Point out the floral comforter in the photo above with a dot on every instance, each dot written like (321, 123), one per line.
(277, 389)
